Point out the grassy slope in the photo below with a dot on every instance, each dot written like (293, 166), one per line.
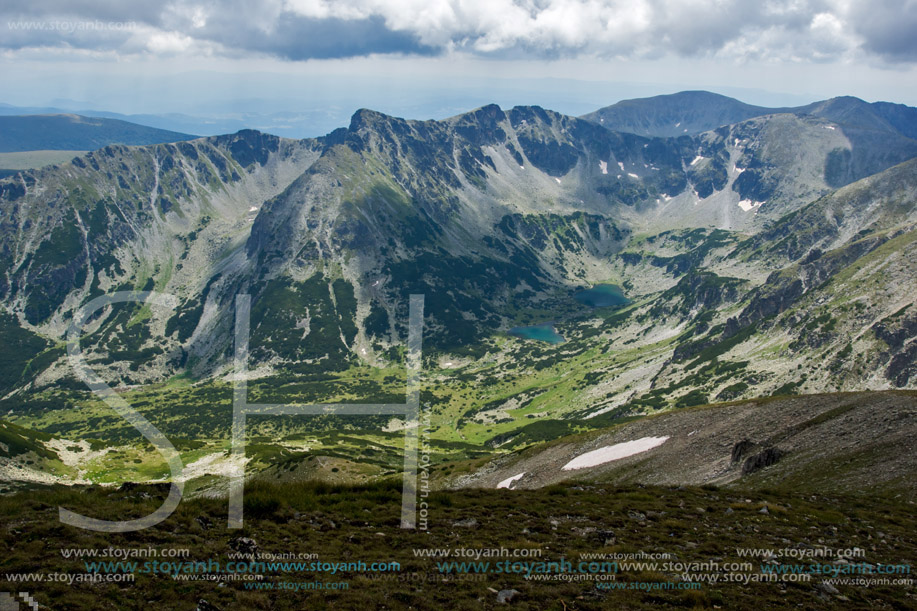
(361, 524)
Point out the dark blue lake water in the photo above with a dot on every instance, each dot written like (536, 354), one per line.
(542, 333)
(602, 295)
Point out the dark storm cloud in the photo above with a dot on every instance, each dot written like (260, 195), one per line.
(889, 28)
(298, 38)
(239, 28)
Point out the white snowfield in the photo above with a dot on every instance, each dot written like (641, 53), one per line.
(747, 204)
(615, 452)
(509, 481)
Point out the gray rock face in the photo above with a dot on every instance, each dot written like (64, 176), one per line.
(741, 449)
(244, 545)
(827, 588)
(761, 460)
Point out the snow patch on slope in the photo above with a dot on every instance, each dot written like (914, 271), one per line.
(614, 452)
(509, 481)
(747, 204)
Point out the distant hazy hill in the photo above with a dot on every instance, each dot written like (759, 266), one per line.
(855, 113)
(75, 132)
(677, 114)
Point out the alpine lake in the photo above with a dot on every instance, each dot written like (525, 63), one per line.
(599, 296)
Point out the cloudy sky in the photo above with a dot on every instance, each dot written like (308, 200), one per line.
(312, 62)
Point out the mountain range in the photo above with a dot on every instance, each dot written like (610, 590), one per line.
(752, 251)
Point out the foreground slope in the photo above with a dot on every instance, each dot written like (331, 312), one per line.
(642, 548)
(782, 442)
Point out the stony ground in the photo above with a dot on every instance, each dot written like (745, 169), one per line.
(693, 525)
(839, 441)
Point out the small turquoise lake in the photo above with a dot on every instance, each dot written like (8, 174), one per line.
(599, 296)
(602, 295)
(542, 333)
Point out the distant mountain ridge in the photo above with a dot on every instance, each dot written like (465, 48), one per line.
(68, 132)
(694, 112)
(854, 112)
(173, 122)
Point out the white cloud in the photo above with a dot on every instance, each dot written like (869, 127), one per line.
(794, 30)
(323, 9)
(604, 27)
(168, 43)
